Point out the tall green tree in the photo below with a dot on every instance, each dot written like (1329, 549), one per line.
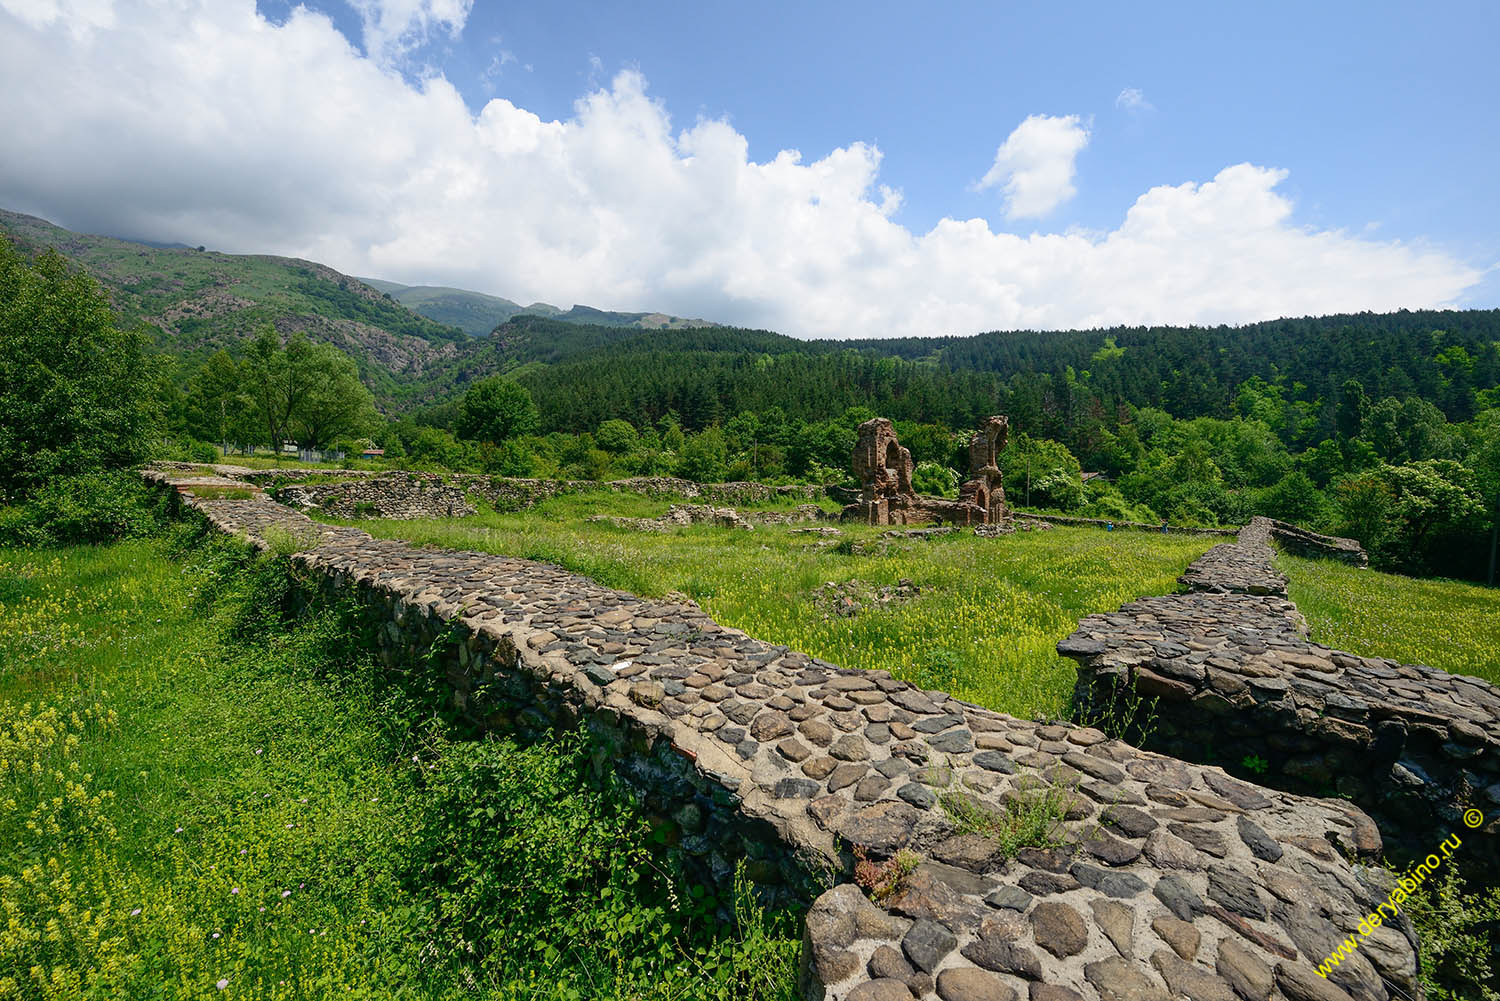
(1484, 459)
(216, 406)
(1417, 517)
(1349, 420)
(305, 392)
(496, 409)
(335, 405)
(74, 387)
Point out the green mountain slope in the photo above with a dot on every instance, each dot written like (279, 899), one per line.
(476, 313)
(199, 301)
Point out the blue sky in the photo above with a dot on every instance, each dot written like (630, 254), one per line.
(1372, 131)
(1386, 114)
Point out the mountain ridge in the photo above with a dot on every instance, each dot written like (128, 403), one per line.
(196, 302)
(479, 313)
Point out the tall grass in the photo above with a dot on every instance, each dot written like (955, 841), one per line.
(984, 626)
(1447, 624)
(202, 798)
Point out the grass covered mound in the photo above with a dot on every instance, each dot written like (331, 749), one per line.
(1447, 624)
(201, 798)
(979, 618)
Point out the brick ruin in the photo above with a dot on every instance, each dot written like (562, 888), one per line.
(883, 468)
(985, 488)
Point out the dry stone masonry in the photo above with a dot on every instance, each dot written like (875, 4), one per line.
(1237, 680)
(1138, 526)
(680, 516)
(399, 495)
(1162, 879)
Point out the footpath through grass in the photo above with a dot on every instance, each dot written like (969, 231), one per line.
(1447, 624)
(202, 799)
(984, 624)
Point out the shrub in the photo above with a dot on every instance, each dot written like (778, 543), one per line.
(1111, 505)
(1455, 928)
(1295, 498)
(931, 478)
(704, 457)
(616, 436)
(90, 507)
(202, 451)
(509, 458)
(524, 854)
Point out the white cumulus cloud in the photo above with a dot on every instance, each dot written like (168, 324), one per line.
(391, 28)
(1034, 166)
(199, 121)
(1132, 99)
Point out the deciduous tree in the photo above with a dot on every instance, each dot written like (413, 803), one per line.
(74, 385)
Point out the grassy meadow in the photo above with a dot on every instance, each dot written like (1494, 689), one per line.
(984, 625)
(1447, 624)
(199, 799)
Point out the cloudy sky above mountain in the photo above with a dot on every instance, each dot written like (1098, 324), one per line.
(850, 170)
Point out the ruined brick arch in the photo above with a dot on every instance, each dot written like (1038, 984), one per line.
(985, 488)
(887, 497)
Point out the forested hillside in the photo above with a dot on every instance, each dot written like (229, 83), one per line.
(1385, 427)
(475, 313)
(195, 302)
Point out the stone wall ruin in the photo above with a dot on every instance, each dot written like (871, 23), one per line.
(1166, 879)
(398, 495)
(985, 488)
(1236, 680)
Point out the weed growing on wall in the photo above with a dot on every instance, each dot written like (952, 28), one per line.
(1033, 819)
(1123, 714)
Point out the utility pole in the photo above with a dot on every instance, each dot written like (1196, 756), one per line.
(1028, 479)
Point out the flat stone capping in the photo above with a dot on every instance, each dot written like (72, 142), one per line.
(1166, 880)
(1238, 682)
(1301, 542)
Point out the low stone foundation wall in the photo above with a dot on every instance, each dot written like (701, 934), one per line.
(680, 516)
(1237, 681)
(1301, 542)
(1163, 879)
(368, 490)
(388, 495)
(1137, 526)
